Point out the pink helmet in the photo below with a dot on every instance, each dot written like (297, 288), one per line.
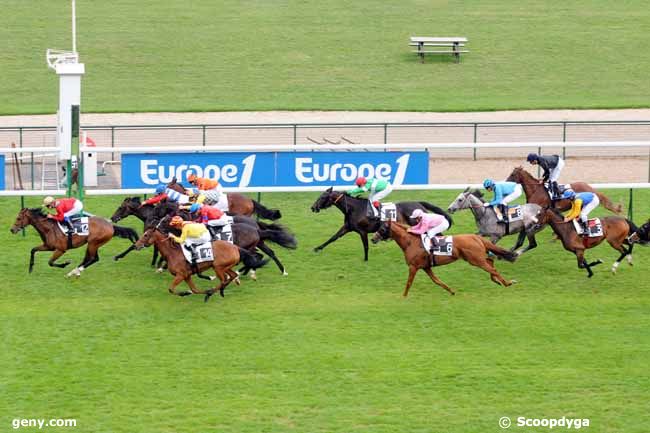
(417, 213)
(361, 181)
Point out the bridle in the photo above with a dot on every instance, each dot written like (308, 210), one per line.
(466, 198)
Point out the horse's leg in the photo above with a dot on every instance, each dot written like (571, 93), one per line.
(155, 256)
(629, 254)
(41, 247)
(582, 263)
(56, 255)
(412, 271)
(520, 241)
(269, 252)
(364, 241)
(437, 280)
(194, 289)
(175, 282)
(127, 251)
(343, 230)
(480, 261)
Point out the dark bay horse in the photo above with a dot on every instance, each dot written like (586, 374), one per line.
(238, 204)
(536, 193)
(100, 232)
(355, 215)
(247, 232)
(226, 256)
(616, 231)
(641, 235)
(471, 248)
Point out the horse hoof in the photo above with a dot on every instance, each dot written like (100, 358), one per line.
(160, 270)
(285, 273)
(207, 297)
(221, 293)
(237, 281)
(115, 258)
(212, 277)
(317, 250)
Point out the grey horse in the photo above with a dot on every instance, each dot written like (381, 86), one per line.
(488, 225)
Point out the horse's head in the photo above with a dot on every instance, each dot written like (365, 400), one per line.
(464, 200)
(147, 238)
(128, 207)
(176, 186)
(326, 199)
(383, 233)
(26, 217)
(517, 175)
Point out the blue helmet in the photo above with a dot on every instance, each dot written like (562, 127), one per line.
(569, 193)
(532, 157)
(160, 189)
(488, 183)
(195, 207)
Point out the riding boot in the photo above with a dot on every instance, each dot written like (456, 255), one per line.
(555, 188)
(68, 225)
(585, 228)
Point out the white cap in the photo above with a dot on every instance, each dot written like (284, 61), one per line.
(417, 213)
(48, 200)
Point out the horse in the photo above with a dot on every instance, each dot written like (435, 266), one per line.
(641, 235)
(355, 213)
(247, 232)
(536, 193)
(100, 232)
(616, 231)
(471, 248)
(488, 225)
(238, 204)
(226, 256)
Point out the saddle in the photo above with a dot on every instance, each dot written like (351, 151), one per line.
(594, 228)
(515, 213)
(80, 226)
(198, 253)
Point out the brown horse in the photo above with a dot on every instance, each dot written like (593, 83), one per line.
(100, 232)
(238, 204)
(615, 230)
(226, 256)
(471, 248)
(536, 193)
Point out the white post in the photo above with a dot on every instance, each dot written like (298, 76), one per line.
(74, 27)
(69, 95)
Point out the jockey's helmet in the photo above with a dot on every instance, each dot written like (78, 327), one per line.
(417, 213)
(532, 157)
(191, 177)
(160, 189)
(570, 194)
(48, 201)
(195, 207)
(361, 181)
(488, 183)
(176, 221)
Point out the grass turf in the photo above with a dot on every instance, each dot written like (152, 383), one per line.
(213, 55)
(332, 347)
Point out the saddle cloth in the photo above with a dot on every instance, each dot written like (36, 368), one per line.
(444, 247)
(594, 225)
(203, 253)
(388, 211)
(224, 234)
(80, 227)
(515, 213)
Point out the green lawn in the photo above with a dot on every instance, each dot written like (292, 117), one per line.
(202, 55)
(330, 348)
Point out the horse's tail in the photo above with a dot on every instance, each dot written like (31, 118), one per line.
(126, 233)
(279, 235)
(252, 260)
(498, 251)
(264, 212)
(437, 210)
(608, 204)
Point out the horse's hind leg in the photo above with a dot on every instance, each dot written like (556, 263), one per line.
(269, 252)
(494, 275)
(438, 281)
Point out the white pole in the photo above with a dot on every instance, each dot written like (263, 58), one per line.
(74, 28)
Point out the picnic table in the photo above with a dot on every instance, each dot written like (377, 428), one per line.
(446, 45)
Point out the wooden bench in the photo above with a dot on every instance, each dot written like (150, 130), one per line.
(454, 46)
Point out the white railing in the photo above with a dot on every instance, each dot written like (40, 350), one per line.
(422, 187)
(392, 146)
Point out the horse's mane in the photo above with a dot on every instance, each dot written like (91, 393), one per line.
(37, 211)
(477, 193)
(524, 173)
(135, 199)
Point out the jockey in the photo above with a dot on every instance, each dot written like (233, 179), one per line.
(65, 209)
(208, 189)
(429, 223)
(582, 204)
(504, 193)
(162, 192)
(377, 189)
(191, 234)
(552, 166)
(210, 216)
